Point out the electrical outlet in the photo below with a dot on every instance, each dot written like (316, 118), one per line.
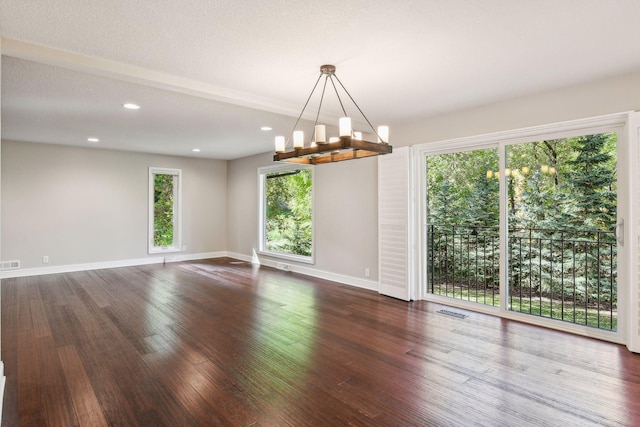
(45, 259)
(367, 273)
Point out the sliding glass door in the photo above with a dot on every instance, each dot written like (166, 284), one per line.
(528, 227)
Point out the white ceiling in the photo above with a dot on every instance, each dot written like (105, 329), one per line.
(209, 73)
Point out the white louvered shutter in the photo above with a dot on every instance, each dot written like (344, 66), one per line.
(394, 213)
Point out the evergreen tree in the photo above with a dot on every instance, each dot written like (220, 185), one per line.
(593, 180)
(593, 183)
(482, 215)
(483, 207)
(442, 220)
(443, 210)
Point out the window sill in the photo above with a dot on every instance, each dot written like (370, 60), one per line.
(288, 257)
(167, 250)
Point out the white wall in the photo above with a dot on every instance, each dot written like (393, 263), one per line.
(88, 205)
(242, 203)
(613, 95)
(346, 217)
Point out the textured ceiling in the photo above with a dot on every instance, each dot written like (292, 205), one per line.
(42, 103)
(401, 60)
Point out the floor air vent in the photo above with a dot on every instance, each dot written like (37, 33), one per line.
(9, 265)
(453, 313)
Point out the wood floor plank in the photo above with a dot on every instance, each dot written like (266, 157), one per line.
(57, 290)
(112, 363)
(29, 384)
(183, 393)
(63, 314)
(230, 407)
(85, 402)
(223, 342)
(91, 287)
(55, 399)
(39, 319)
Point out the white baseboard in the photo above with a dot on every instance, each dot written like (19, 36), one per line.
(195, 257)
(309, 271)
(240, 257)
(159, 259)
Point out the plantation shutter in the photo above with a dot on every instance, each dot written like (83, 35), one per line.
(394, 224)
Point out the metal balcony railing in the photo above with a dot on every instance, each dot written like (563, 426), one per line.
(568, 275)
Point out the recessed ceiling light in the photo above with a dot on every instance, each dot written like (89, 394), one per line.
(93, 139)
(196, 150)
(131, 106)
(265, 128)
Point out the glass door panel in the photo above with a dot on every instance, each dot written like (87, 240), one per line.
(561, 209)
(463, 215)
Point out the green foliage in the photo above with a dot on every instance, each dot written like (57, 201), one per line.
(561, 205)
(483, 208)
(288, 213)
(463, 215)
(163, 201)
(459, 191)
(593, 181)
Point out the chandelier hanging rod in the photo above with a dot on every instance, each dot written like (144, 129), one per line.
(304, 108)
(354, 103)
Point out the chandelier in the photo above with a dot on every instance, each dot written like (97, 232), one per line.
(349, 145)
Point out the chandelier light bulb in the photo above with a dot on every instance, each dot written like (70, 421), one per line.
(321, 136)
(383, 134)
(298, 139)
(280, 142)
(345, 126)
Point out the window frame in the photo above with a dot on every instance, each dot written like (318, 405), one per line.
(177, 211)
(262, 213)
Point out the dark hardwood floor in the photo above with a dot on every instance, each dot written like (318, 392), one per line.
(221, 342)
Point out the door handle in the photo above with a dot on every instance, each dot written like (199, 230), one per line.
(620, 231)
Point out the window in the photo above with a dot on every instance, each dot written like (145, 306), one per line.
(165, 188)
(286, 212)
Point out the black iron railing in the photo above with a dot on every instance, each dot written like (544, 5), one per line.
(567, 275)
